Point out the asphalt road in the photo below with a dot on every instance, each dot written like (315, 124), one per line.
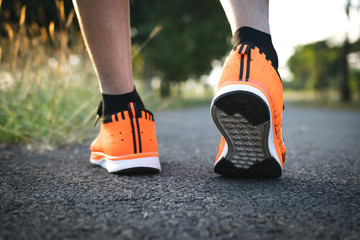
(59, 195)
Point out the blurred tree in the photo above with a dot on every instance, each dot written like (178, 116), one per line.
(315, 66)
(189, 34)
(192, 35)
(320, 66)
(345, 77)
(344, 87)
(346, 49)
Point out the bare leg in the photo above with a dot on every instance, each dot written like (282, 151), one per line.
(121, 146)
(105, 25)
(249, 22)
(250, 13)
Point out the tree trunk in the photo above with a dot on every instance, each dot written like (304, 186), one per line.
(358, 73)
(344, 88)
(164, 88)
(147, 75)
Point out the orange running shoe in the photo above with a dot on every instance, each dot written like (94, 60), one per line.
(127, 142)
(247, 109)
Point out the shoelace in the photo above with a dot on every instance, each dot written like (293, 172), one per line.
(99, 113)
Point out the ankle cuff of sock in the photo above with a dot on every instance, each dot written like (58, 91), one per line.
(116, 103)
(261, 39)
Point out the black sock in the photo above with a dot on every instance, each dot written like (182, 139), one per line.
(261, 39)
(115, 103)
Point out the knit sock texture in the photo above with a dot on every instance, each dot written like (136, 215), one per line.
(261, 39)
(115, 103)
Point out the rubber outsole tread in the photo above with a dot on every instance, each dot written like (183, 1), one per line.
(267, 168)
(247, 104)
(243, 118)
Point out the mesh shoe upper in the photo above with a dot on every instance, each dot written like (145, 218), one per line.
(126, 133)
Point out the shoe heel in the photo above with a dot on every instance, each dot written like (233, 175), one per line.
(244, 120)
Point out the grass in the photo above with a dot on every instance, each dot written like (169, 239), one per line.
(48, 90)
(47, 105)
(55, 102)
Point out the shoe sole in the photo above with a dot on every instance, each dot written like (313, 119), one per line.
(242, 114)
(129, 166)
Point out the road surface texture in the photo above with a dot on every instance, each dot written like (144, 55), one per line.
(59, 195)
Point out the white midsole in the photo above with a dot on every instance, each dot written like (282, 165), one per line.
(115, 166)
(223, 153)
(247, 88)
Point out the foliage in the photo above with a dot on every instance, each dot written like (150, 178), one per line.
(45, 91)
(315, 66)
(321, 66)
(191, 36)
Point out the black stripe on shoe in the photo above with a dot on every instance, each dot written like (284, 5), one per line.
(241, 62)
(248, 52)
(137, 115)
(132, 127)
